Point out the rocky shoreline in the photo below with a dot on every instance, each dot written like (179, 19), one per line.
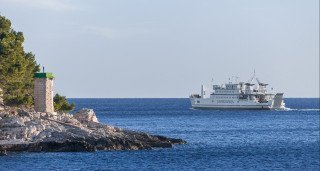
(24, 130)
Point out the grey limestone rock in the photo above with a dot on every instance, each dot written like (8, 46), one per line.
(25, 130)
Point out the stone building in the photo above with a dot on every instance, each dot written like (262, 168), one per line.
(43, 92)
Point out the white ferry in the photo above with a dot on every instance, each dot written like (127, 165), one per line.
(241, 95)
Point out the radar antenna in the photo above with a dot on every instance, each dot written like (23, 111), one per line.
(258, 81)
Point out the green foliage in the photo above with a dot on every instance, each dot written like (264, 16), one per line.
(16, 66)
(17, 69)
(61, 103)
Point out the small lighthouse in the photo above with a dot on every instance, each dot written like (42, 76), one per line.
(43, 92)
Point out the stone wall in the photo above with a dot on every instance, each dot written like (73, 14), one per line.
(43, 95)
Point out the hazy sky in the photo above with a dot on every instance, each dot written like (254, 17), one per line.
(167, 48)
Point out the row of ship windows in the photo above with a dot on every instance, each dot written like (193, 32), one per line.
(225, 101)
(228, 97)
(221, 101)
(226, 92)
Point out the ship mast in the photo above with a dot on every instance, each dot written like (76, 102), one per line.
(253, 76)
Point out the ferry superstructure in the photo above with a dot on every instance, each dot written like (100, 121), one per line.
(241, 95)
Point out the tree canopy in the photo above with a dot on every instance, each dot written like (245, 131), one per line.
(61, 103)
(17, 67)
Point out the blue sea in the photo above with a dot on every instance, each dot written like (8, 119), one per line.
(217, 139)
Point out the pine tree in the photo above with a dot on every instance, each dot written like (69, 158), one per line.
(16, 66)
(61, 103)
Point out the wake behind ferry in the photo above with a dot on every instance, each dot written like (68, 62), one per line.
(241, 95)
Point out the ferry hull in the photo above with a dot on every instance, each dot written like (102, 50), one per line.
(209, 104)
(232, 107)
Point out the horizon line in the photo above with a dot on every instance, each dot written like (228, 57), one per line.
(167, 97)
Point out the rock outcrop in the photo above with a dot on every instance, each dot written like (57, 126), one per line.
(86, 115)
(26, 130)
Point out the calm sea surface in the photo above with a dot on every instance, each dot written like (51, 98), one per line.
(217, 139)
